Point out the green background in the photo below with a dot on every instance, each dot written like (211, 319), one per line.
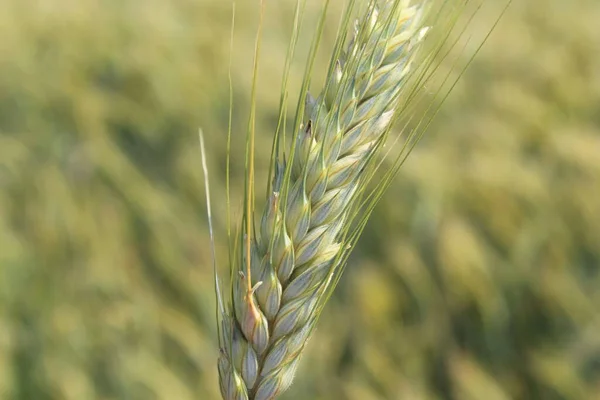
(477, 277)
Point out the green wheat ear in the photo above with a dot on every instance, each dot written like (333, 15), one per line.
(321, 190)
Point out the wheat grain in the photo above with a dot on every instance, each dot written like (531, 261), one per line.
(274, 309)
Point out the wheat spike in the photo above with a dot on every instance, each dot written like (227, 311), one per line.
(299, 244)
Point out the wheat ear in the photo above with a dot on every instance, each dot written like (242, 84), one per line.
(276, 297)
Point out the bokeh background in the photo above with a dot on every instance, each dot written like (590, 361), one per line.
(477, 278)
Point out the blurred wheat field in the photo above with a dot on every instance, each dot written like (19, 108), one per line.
(477, 278)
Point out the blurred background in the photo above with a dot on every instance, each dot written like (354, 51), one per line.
(477, 277)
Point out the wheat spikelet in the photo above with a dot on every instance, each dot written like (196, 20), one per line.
(277, 296)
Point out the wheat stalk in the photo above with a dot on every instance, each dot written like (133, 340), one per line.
(284, 270)
(274, 305)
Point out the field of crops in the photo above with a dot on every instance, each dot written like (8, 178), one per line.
(478, 276)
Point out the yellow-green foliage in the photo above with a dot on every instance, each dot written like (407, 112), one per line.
(477, 278)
